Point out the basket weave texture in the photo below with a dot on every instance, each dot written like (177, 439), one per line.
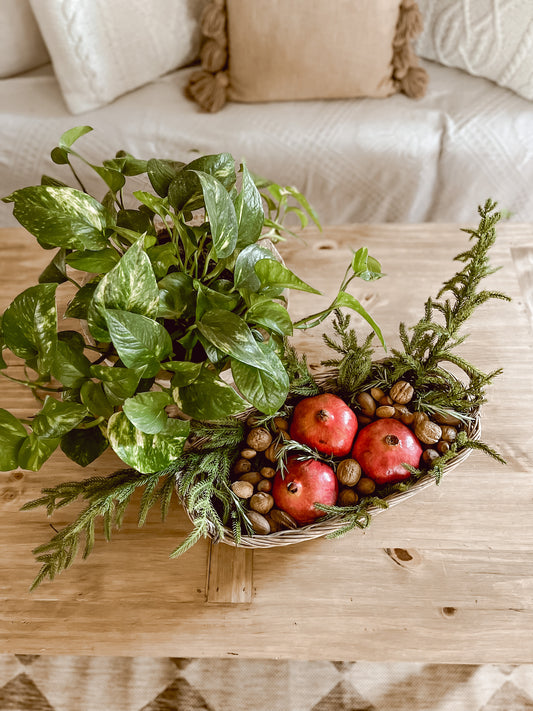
(331, 525)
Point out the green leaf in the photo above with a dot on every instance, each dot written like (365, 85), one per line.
(221, 213)
(130, 286)
(364, 266)
(118, 383)
(71, 136)
(147, 452)
(56, 271)
(99, 262)
(147, 411)
(30, 325)
(128, 164)
(246, 280)
(162, 172)
(136, 221)
(230, 334)
(35, 450)
(305, 204)
(345, 299)
(209, 398)
(154, 203)
(220, 166)
(12, 435)
(249, 211)
(209, 299)
(84, 446)
(271, 315)
(185, 192)
(267, 391)
(177, 296)
(52, 182)
(3, 364)
(70, 366)
(185, 372)
(114, 179)
(94, 398)
(273, 274)
(162, 256)
(56, 418)
(61, 217)
(79, 306)
(141, 342)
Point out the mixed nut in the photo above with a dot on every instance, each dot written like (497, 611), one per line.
(389, 433)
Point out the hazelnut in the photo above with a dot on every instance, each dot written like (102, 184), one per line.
(347, 497)
(367, 404)
(448, 433)
(377, 393)
(248, 453)
(268, 472)
(259, 523)
(273, 451)
(259, 439)
(280, 423)
(242, 489)
(264, 485)
(400, 410)
(349, 472)
(428, 432)
(242, 466)
(261, 502)
(252, 477)
(443, 446)
(402, 392)
(430, 455)
(365, 486)
(385, 411)
(253, 421)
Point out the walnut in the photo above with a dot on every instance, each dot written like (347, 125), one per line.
(349, 472)
(365, 486)
(428, 432)
(242, 489)
(402, 392)
(259, 439)
(261, 502)
(242, 466)
(347, 497)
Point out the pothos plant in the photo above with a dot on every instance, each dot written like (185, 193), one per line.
(170, 295)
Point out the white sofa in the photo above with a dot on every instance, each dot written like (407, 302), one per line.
(365, 160)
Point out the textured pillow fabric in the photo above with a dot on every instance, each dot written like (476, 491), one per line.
(21, 45)
(486, 38)
(272, 50)
(103, 48)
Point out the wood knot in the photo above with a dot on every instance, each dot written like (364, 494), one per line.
(449, 611)
(404, 558)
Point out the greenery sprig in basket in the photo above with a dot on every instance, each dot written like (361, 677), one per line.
(181, 308)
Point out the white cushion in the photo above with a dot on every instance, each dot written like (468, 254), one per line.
(487, 38)
(21, 45)
(103, 48)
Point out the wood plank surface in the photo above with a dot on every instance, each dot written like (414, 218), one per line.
(445, 577)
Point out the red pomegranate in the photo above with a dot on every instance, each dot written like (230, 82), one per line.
(382, 447)
(326, 423)
(304, 484)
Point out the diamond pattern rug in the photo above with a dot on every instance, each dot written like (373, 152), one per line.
(76, 683)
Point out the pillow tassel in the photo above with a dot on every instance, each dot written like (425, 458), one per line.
(209, 89)
(208, 86)
(411, 79)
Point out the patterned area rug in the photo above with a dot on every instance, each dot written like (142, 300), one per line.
(75, 683)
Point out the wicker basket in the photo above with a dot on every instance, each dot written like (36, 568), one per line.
(331, 525)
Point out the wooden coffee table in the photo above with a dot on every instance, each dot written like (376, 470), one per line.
(446, 576)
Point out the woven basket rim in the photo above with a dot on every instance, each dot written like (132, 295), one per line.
(331, 525)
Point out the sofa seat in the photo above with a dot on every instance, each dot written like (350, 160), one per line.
(363, 160)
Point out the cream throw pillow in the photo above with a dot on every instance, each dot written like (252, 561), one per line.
(21, 45)
(271, 50)
(487, 38)
(103, 48)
